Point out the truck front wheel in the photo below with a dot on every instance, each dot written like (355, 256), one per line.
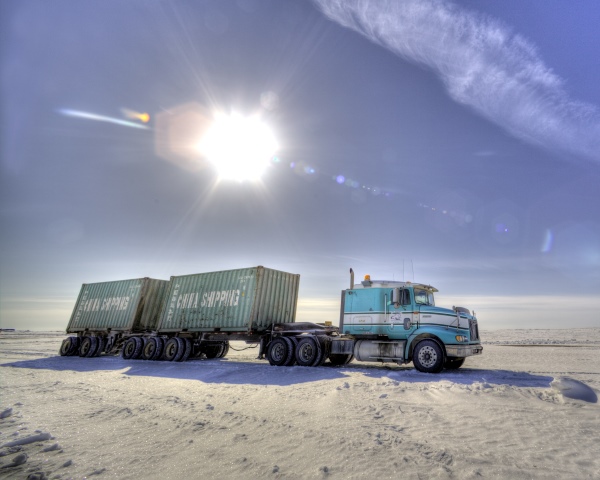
(454, 363)
(428, 357)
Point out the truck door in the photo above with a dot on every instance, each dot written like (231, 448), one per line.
(400, 315)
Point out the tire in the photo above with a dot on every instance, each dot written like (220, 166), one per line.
(292, 346)
(186, 348)
(428, 357)
(160, 347)
(76, 341)
(110, 343)
(151, 349)
(128, 348)
(454, 363)
(65, 347)
(224, 351)
(308, 351)
(325, 344)
(139, 346)
(339, 359)
(216, 350)
(100, 347)
(171, 348)
(212, 351)
(88, 346)
(68, 347)
(280, 352)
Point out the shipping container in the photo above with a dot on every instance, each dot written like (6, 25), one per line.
(243, 300)
(126, 305)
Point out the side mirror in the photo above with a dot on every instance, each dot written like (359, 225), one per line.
(396, 297)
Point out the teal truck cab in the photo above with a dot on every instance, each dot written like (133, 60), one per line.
(390, 321)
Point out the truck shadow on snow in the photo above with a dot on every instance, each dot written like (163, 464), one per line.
(235, 372)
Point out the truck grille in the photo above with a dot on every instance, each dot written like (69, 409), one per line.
(473, 330)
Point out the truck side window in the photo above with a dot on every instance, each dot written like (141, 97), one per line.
(405, 297)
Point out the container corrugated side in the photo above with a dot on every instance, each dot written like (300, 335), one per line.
(242, 300)
(124, 305)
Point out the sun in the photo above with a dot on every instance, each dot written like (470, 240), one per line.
(239, 147)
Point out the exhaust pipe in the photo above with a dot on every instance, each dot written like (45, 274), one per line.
(351, 279)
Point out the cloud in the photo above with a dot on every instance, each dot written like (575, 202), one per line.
(483, 65)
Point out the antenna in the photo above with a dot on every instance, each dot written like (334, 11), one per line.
(403, 277)
(413, 269)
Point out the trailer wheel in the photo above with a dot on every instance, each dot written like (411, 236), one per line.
(160, 347)
(76, 341)
(224, 350)
(100, 347)
(454, 363)
(428, 357)
(216, 350)
(128, 348)
(186, 349)
(139, 346)
(151, 349)
(88, 346)
(110, 343)
(171, 348)
(308, 351)
(280, 351)
(174, 349)
(339, 359)
(67, 348)
(212, 351)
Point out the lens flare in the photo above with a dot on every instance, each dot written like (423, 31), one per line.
(133, 115)
(100, 118)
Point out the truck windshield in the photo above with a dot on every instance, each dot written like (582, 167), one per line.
(424, 297)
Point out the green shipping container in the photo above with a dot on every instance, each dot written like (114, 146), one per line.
(244, 300)
(125, 305)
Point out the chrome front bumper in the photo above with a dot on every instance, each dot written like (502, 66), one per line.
(463, 350)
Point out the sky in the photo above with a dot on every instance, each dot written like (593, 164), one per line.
(450, 143)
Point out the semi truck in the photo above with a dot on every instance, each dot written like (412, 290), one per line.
(198, 315)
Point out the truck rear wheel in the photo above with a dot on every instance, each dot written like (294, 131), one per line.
(428, 357)
(324, 343)
(309, 352)
(280, 352)
(340, 358)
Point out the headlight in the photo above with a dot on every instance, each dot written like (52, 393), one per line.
(461, 338)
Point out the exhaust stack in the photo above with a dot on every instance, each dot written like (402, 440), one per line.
(351, 279)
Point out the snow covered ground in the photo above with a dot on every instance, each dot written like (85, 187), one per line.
(526, 408)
